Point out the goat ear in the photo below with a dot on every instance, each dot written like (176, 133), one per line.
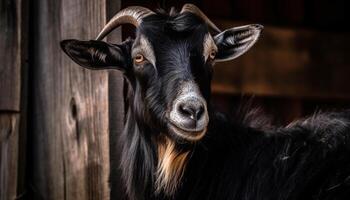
(97, 54)
(236, 41)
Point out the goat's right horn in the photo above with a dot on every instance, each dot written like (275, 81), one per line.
(130, 15)
(195, 10)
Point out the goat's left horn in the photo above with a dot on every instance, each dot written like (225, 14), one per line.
(195, 10)
(130, 15)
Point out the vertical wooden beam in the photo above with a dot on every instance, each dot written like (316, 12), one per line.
(116, 110)
(70, 136)
(9, 123)
(10, 84)
(10, 54)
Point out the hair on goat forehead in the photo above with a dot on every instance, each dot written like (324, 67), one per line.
(179, 23)
(174, 37)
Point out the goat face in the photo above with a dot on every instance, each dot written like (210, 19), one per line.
(168, 64)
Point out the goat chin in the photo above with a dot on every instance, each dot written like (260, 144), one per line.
(186, 135)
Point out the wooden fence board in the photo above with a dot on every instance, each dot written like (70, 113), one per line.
(10, 90)
(116, 111)
(116, 103)
(70, 136)
(288, 62)
(9, 123)
(10, 52)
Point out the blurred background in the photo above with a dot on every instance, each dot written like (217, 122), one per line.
(59, 123)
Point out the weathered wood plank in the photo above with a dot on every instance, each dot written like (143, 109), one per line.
(116, 111)
(11, 56)
(116, 117)
(288, 62)
(9, 123)
(10, 52)
(70, 105)
(23, 128)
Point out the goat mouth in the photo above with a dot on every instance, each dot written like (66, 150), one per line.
(186, 134)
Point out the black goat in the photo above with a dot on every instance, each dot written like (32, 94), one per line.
(176, 147)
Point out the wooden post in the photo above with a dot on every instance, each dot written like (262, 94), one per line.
(70, 111)
(10, 55)
(116, 111)
(10, 87)
(9, 123)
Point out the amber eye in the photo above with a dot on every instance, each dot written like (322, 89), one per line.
(139, 58)
(212, 54)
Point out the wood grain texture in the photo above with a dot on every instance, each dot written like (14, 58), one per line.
(10, 90)
(70, 136)
(116, 117)
(288, 62)
(9, 123)
(116, 111)
(10, 54)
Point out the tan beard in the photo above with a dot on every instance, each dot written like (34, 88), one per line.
(170, 168)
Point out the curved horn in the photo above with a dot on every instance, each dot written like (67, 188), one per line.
(195, 10)
(130, 15)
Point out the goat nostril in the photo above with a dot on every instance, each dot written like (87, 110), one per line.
(199, 112)
(186, 110)
(191, 111)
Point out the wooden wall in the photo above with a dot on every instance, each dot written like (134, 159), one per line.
(69, 116)
(12, 57)
(58, 122)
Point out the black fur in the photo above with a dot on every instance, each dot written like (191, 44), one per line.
(308, 160)
(152, 90)
(237, 159)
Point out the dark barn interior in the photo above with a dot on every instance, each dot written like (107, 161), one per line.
(59, 124)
